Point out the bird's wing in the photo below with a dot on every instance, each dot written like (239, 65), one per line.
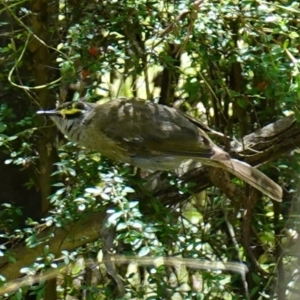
(143, 128)
(161, 137)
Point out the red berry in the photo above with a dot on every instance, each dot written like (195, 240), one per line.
(94, 51)
(262, 85)
(85, 73)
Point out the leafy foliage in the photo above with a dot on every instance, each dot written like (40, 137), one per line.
(231, 64)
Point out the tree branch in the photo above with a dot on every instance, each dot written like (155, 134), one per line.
(84, 231)
(268, 143)
(258, 148)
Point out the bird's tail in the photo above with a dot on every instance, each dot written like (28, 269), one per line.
(253, 177)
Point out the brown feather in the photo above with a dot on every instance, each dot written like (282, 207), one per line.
(152, 136)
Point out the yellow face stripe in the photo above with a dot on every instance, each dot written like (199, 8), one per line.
(70, 111)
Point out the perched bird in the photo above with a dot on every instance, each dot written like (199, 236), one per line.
(150, 136)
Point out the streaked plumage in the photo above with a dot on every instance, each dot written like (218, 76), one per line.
(150, 136)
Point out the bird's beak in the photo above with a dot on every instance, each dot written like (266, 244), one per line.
(52, 112)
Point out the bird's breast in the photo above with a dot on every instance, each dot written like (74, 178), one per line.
(98, 141)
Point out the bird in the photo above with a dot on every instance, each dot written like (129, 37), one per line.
(150, 136)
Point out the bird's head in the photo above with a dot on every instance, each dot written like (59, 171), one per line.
(69, 117)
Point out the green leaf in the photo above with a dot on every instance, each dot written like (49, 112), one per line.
(121, 226)
(144, 251)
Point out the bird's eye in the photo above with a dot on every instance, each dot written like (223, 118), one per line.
(71, 110)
